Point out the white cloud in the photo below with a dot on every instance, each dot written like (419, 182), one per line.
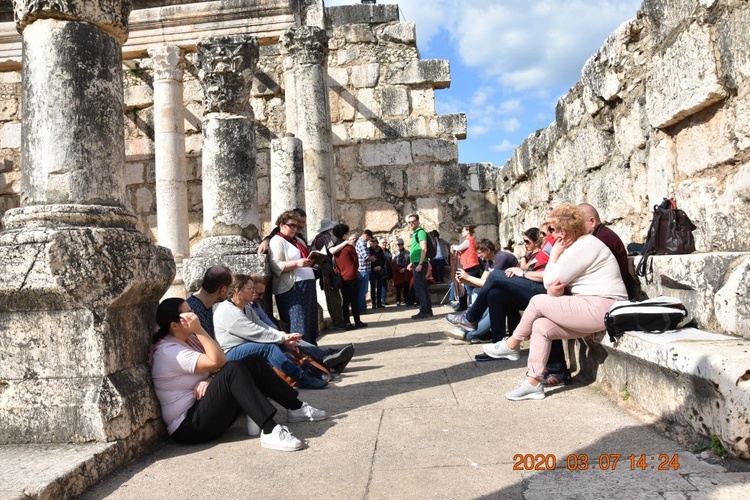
(503, 147)
(511, 125)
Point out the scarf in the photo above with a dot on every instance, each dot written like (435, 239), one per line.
(303, 250)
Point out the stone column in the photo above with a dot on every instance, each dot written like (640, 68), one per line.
(169, 147)
(287, 176)
(230, 197)
(79, 285)
(308, 116)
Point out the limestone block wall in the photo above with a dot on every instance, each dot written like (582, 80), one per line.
(394, 154)
(10, 141)
(662, 109)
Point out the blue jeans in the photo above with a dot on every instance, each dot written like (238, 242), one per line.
(271, 352)
(504, 297)
(363, 280)
(482, 328)
(420, 289)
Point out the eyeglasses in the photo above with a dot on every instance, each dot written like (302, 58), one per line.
(412, 221)
(526, 242)
(292, 225)
(399, 244)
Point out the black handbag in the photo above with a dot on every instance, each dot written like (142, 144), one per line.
(671, 233)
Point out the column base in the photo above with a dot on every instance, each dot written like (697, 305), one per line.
(77, 310)
(235, 252)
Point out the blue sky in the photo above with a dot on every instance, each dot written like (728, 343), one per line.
(510, 60)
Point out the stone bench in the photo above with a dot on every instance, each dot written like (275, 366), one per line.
(687, 377)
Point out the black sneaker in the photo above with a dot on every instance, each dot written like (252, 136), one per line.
(561, 379)
(360, 325)
(338, 360)
(422, 315)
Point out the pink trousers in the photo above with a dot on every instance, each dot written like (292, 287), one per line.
(549, 318)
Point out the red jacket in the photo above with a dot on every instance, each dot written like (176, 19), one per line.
(347, 263)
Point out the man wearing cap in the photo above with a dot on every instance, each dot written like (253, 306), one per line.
(324, 239)
(363, 272)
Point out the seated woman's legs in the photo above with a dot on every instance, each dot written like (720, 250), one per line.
(483, 328)
(233, 389)
(271, 352)
(566, 317)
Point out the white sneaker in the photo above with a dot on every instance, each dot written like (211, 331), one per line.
(280, 439)
(500, 350)
(305, 414)
(526, 391)
(456, 333)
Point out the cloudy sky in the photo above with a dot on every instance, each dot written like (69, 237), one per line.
(510, 60)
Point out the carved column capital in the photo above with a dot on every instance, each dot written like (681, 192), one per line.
(168, 63)
(110, 16)
(225, 69)
(304, 45)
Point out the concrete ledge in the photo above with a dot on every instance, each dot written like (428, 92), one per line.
(689, 377)
(361, 14)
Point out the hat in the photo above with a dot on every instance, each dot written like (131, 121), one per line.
(399, 241)
(326, 224)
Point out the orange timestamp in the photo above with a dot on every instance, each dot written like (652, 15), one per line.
(604, 461)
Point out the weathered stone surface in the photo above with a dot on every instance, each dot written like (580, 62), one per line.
(102, 283)
(733, 43)
(395, 153)
(704, 141)
(229, 186)
(381, 216)
(698, 383)
(435, 72)
(684, 79)
(308, 116)
(361, 13)
(630, 130)
(53, 73)
(226, 66)
(695, 279)
(731, 304)
(365, 75)
(231, 251)
(434, 150)
(453, 125)
(405, 32)
(364, 186)
(368, 105)
(287, 176)
(355, 33)
(108, 16)
(422, 102)
(139, 96)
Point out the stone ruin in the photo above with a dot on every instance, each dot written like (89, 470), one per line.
(235, 111)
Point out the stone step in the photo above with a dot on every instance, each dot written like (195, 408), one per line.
(713, 287)
(688, 377)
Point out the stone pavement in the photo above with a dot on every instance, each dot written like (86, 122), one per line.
(414, 416)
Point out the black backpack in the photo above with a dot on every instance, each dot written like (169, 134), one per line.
(655, 315)
(671, 233)
(431, 246)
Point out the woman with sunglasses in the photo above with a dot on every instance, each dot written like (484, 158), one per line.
(294, 278)
(586, 267)
(532, 244)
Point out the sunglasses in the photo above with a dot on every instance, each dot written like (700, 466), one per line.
(292, 225)
(526, 242)
(551, 229)
(411, 221)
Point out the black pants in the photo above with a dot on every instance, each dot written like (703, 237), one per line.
(350, 299)
(376, 282)
(402, 290)
(240, 386)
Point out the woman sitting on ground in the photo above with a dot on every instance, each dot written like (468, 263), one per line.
(202, 394)
(469, 261)
(239, 337)
(503, 294)
(494, 260)
(585, 266)
(294, 278)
